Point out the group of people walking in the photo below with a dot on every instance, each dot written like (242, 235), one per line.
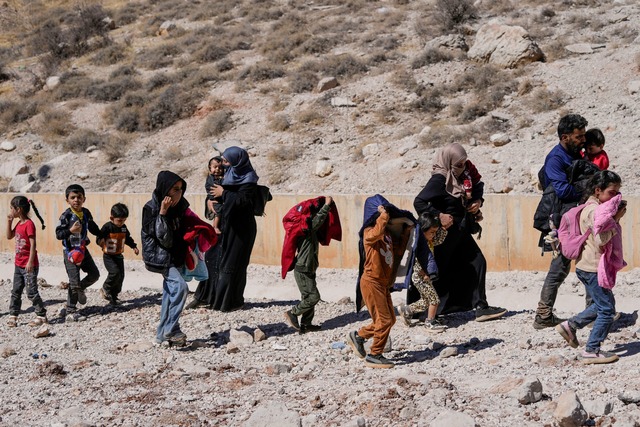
(446, 271)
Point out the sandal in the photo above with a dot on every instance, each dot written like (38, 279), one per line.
(12, 322)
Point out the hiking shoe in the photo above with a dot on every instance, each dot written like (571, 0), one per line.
(12, 321)
(82, 297)
(292, 320)
(75, 317)
(104, 295)
(406, 313)
(434, 326)
(488, 313)
(39, 320)
(546, 322)
(115, 301)
(356, 342)
(568, 333)
(615, 317)
(378, 361)
(589, 358)
(309, 328)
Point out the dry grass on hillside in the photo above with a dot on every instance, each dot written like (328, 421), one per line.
(151, 79)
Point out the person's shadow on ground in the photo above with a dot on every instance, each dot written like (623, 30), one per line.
(474, 344)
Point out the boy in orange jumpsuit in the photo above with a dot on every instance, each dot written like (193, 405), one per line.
(383, 254)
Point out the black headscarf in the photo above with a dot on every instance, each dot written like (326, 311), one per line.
(165, 181)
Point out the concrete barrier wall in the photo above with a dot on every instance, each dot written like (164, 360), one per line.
(508, 241)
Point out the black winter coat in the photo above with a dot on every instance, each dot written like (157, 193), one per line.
(163, 242)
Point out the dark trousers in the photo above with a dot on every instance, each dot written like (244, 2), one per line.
(22, 279)
(115, 269)
(558, 271)
(73, 271)
(309, 296)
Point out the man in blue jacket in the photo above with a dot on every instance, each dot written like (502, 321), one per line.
(571, 131)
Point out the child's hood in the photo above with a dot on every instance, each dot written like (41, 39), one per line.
(371, 213)
(164, 182)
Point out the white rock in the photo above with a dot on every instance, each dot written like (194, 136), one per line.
(499, 139)
(453, 419)
(530, 391)
(342, 102)
(327, 83)
(406, 146)
(505, 46)
(579, 48)
(240, 338)
(370, 149)
(52, 82)
(569, 411)
(82, 175)
(273, 414)
(323, 168)
(20, 181)
(7, 146)
(634, 87)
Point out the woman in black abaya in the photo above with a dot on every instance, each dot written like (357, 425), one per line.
(238, 191)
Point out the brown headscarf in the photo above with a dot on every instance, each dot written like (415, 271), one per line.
(448, 156)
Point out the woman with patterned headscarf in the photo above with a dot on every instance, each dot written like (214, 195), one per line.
(238, 192)
(454, 193)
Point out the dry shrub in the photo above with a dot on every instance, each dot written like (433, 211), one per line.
(310, 116)
(625, 33)
(431, 56)
(279, 122)
(56, 124)
(174, 103)
(303, 81)
(284, 153)
(405, 80)
(158, 57)
(12, 112)
(453, 13)
(113, 89)
(544, 99)
(261, 71)
(72, 85)
(442, 134)
(158, 81)
(173, 153)
(287, 34)
(129, 13)
(127, 119)
(216, 123)
(429, 101)
(556, 49)
(344, 65)
(81, 139)
(110, 55)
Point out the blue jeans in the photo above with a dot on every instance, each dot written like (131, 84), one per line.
(601, 311)
(174, 295)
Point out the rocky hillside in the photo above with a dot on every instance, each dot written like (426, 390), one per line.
(328, 96)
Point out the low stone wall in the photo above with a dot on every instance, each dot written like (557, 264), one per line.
(508, 241)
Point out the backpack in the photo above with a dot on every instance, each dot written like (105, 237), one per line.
(571, 239)
(261, 197)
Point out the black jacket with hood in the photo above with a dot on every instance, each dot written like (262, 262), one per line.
(163, 242)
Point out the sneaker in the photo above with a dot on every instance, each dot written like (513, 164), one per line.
(406, 313)
(356, 342)
(292, 320)
(39, 320)
(546, 322)
(82, 297)
(615, 317)
(589, 358)
(434, 326)
(568, 333)
(104, 295)
(12, 321)
(75, 317)
(309, 328)
(378, 361)
(177, 339)
(489, 313)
